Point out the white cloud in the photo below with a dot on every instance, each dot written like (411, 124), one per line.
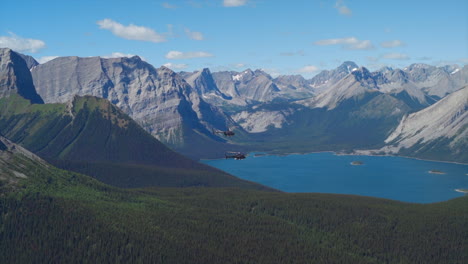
(308, 69)
(177, 55)
(396, 56)
(234, 3)
(131, 31)
(194, 34)
(342, 9)
(45, 59)
(392, 44)
(121, 55)
(18, 43)
(174, 66)
(168, 5)
(117, 55)
(351, 43)
(362, 45)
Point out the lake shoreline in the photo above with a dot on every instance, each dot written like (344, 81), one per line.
(338, 153)
(406, 179)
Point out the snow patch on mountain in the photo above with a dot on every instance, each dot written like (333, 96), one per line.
(455, 71)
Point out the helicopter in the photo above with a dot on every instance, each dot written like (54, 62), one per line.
(235, 155)
(227, 133)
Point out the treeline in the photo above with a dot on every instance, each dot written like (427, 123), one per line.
(204, 225)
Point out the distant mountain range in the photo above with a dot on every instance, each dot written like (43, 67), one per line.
(342, 109)
(90, 135)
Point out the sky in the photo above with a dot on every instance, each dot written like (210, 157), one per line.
(277, 36)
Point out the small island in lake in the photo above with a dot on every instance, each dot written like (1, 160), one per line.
(436, 172)
(357, 162)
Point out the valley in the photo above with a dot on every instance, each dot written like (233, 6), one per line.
(52, 215)
(345, 109)
(83, 150)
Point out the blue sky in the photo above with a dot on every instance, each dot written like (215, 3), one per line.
(281, 37)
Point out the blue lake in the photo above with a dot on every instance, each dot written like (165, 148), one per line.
(394, 178)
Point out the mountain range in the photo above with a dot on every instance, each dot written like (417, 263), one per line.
(343, 109)
(90, 135)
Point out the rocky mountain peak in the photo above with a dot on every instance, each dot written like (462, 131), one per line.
(396, 76)
(165, 72)
(291, 81)
(419, 66)
(261, 72)
(328, 78)
(30, 61)
(361, 73)
(347, 67)
(15, 77)
(203, 82)
(205, 71)
(364, 76)
(385, 69)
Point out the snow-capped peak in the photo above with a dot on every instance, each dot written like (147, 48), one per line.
(237, 77)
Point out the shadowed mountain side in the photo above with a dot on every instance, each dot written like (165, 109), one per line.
(90, 135)
(15, 77)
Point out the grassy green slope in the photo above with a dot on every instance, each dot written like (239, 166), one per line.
(55, 216)
(92, 136)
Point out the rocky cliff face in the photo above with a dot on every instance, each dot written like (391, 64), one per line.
(261, 120)
(355, 84)
(246, 86)
(294, 87)
(328, 78)
(15, 77)
(159, 99)
(437, 81)
(30, 61)
(444, 122)
(203, 82)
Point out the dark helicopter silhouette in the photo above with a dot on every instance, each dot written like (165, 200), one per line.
(235, 155)
(227, 133)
